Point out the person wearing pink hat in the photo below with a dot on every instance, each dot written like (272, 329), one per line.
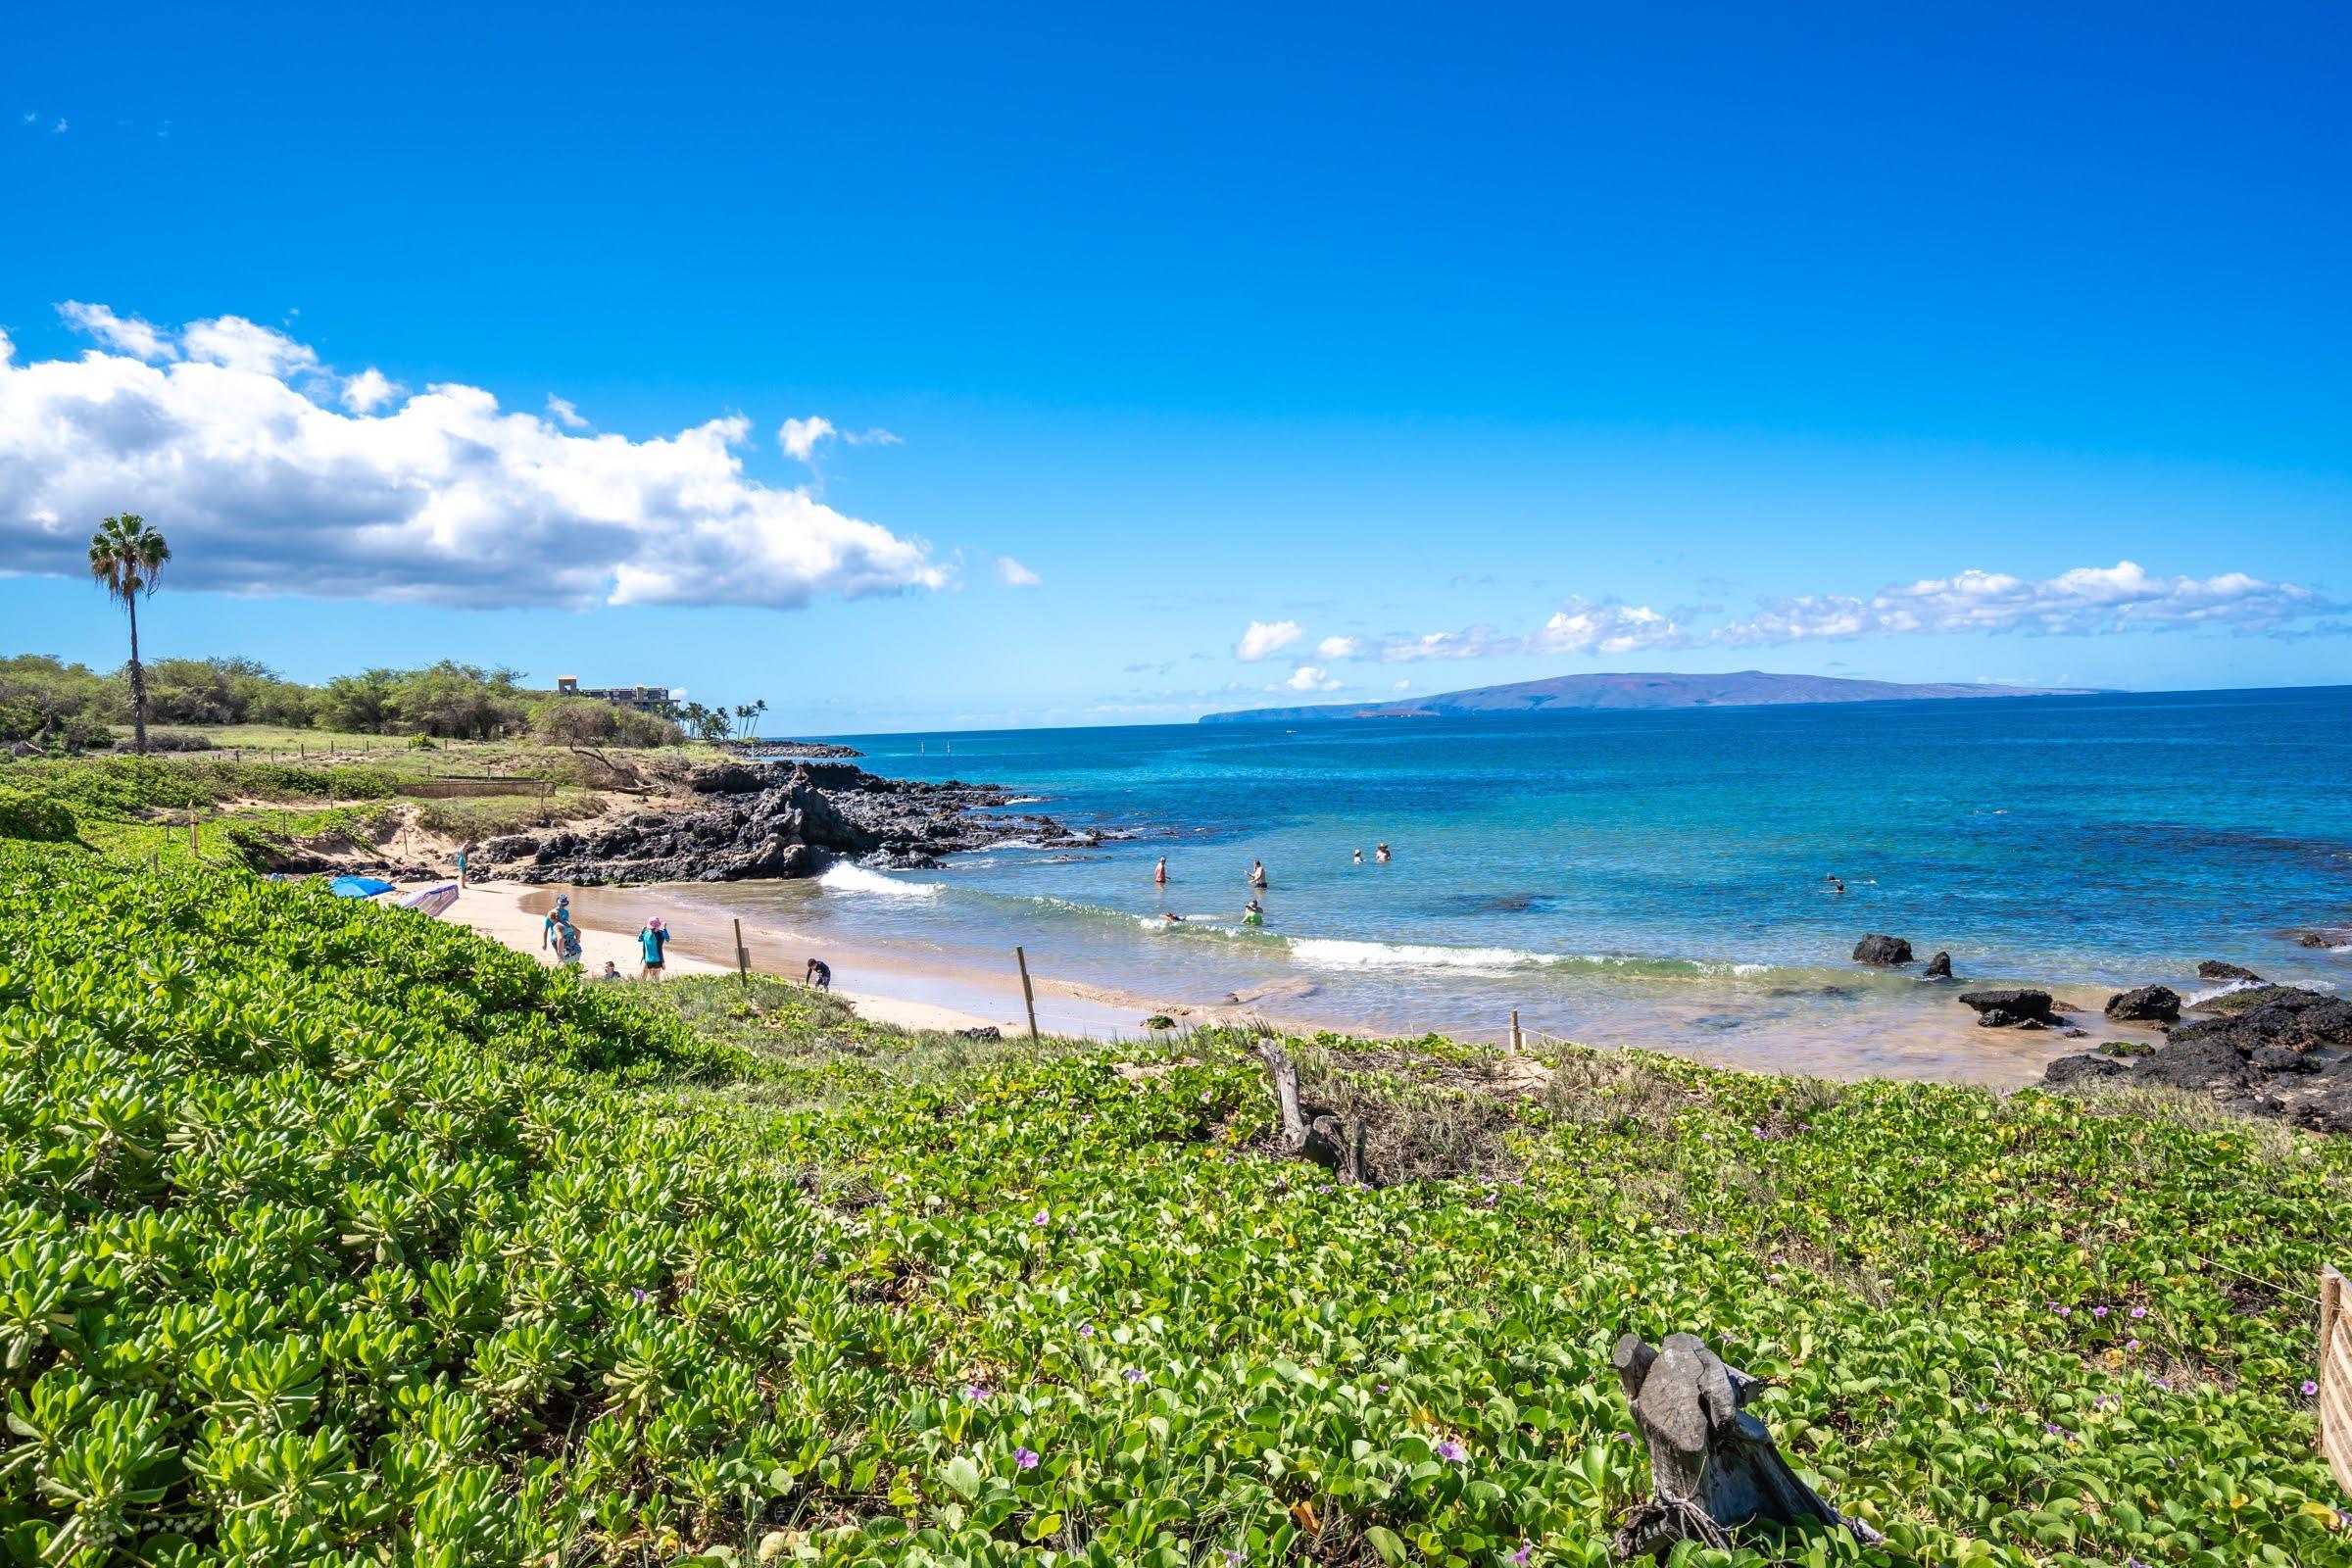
(652, 941)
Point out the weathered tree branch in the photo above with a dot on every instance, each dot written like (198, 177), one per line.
(1712, 1465)
(1310, 1130)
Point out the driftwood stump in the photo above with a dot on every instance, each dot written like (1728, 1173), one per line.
(1310, 1130)
(1712, 1465)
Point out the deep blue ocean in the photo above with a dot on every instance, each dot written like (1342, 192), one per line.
(1658, 876)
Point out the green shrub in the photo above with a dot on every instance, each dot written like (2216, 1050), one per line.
(25, 816)
(331, 1234)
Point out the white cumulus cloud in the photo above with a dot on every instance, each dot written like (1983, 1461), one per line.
(1340, 648)
(565, 412)
(447, 499)
(1266, 637)
(241, 345)
(1607, 627)
(1310, 678)
(2086, 600)
(1013, 574)
(370, 390)
(127, 335)
(799, 438)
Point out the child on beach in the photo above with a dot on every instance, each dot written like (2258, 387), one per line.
(818, 974)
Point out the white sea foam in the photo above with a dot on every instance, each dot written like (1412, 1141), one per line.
(844, 877)
(1333, 953)
(2208, 993)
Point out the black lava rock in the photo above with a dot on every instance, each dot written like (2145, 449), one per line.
(1940, 967)
(2146, 1004)
(2010, 1005)
(2215, 969)
(1882, 950)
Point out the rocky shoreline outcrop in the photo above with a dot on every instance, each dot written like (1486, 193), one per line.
(749, 821)
(2268, 1050)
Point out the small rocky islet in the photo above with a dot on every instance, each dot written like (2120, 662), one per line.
(2264, 1050)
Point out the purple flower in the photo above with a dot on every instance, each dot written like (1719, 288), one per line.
(1133, 1375)
(640, 1297)
(1085, 1331)
(1041, 1217)
(977, 1393)
(824, 1257)
(2166, 1384)
(2098, 1311)
(2131, 1344)
(1518, 1559)
(1235, 1559)
(2309, 1388)
(2138, 1312)
(1451, 1451)
(2055, 1430)
(1382, 1387)
(1024, 1459)
(1490, 1199)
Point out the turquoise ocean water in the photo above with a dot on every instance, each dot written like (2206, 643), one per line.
(1646, 876)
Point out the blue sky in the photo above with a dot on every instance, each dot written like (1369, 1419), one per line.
(1474, 348)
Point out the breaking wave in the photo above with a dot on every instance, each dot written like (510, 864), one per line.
(843, 877)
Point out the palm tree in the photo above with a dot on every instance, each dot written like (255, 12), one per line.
(125, 556)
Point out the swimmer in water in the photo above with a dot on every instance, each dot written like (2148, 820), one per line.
(1359, 857)
(1253, 914)
(1258, 873)
(1172, 918)
(1382, 851)
(1159, 872)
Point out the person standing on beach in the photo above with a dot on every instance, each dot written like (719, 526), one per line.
(652, 940)
(1258, 873)
(818, 974)
(558, 918)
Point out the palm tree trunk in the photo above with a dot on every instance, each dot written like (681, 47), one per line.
(138, 683)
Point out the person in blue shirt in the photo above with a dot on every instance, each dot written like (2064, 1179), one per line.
(652, 941)
(558, 920)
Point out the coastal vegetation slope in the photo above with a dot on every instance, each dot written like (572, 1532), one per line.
(333, 1234)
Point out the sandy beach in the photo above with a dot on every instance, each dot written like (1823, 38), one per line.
(702, 941)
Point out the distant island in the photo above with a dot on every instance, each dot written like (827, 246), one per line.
(1576, 694)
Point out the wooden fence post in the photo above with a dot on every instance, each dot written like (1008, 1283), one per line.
(1028, 992)
(1515, 1031)
(2336, 1375)
(742, 958)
